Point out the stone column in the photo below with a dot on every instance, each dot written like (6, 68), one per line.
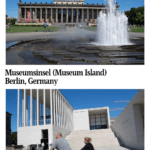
(19, 14)
(25, 14)
(56, 15)
(18, 111)
(51, 14)
(40, 14)
(72, 15)
(30, 14)
(46, 14)
(66, 15)
(92, 15)
(87, 15)
(82, 15)
(35, 14)
(77, 19)
(62, 15)
(97, 12)
(30, 107)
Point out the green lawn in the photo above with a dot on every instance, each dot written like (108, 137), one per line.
(137, 29)
(91, 28)
(133, 29)
(15, 28)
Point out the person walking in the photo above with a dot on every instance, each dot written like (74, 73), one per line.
(60, 143)
(88, 145)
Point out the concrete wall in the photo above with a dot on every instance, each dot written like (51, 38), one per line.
(81, 119)
(32, 135)
(128, 126)
(63, 131)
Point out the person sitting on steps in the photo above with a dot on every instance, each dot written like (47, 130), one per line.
(88, 145)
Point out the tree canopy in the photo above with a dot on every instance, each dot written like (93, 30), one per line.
(136, 16)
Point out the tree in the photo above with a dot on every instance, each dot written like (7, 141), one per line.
(6, 21)
(14, 138)
(13, 21)
(136, 15)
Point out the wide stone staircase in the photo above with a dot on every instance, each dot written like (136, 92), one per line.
(100, 138)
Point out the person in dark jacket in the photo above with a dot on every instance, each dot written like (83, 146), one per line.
(88, 145)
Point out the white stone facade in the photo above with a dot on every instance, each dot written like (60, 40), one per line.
(40, 110)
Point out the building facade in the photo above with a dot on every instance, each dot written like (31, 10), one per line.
(61, 11)
(8, 128)
(43, 113)
(129, 125)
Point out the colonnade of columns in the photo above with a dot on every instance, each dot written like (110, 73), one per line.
(48, 104)
(53, 17)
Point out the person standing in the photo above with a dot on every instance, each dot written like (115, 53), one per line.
(45, 25)
(60, 143)
(88, 145)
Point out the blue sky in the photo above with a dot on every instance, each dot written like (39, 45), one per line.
(12, 7)
(80, 99)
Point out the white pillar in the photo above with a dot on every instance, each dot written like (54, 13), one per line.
(66, 116)
(56, 108)
(51, 107)
(44, 105)
(30, 107)
(18, 111)
(108, 118)
(62, 112)
(24, 107)
(37, 106)
(26, 112)
(54, 105)
(59, 112)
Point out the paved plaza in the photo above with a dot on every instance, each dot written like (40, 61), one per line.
(11, 37)
(71, 45)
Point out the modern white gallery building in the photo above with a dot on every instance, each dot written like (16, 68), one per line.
(43, 113)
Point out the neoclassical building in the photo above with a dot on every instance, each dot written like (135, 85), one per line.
(61, 11)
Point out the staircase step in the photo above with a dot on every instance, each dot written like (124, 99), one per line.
(100, 138)
(98, 143)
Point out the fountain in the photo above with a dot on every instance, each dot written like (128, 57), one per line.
(77, 45)
(112, 27)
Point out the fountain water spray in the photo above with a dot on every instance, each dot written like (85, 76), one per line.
(112, 27)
